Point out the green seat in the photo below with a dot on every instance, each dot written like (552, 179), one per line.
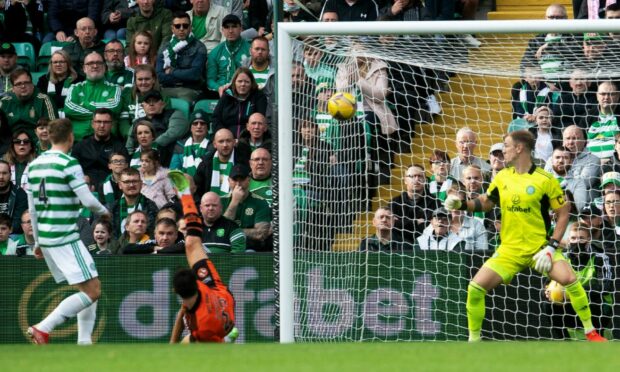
(206, 105)
(25, 55)
(46, 53)
(181, 105)
(36, 75)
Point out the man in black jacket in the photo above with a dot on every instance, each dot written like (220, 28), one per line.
(13, 200)
(87, 42)
(414, 207)
(94, 152)
(219, 234)
(212, 173)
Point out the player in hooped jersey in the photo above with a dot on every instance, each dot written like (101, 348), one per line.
(56, 192)
(208, 309)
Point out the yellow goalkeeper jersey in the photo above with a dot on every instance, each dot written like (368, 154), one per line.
(525, 201)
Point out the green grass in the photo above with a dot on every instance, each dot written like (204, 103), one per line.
(358, 357)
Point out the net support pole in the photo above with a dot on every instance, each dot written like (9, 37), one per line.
(285, 170)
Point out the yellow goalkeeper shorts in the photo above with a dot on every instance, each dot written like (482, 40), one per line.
(508, 261)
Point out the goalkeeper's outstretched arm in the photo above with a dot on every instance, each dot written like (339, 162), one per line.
(479, 204)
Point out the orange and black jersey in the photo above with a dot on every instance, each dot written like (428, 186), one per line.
(213, 315)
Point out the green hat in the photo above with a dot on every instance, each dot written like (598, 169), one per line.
(199, 115)
(610, 178)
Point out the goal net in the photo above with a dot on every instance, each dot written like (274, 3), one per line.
(366, 251)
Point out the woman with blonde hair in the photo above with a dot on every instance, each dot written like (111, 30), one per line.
(59, 77)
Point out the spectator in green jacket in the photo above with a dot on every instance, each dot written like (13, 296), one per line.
(93, 93)
(115, 61)
(25, 104)
(227, 56)
(152, 18)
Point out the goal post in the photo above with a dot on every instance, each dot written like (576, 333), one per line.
(416, 273)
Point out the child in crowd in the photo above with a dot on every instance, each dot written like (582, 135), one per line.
(104, 242)
(140, 50)
(8, 247)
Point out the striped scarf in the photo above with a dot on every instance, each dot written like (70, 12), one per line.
(300, 173)
(601, 136)
(174, 47)
(135, 157)
(192, 155)
(440, 191)
(219, 174)
(124, 210)
(541, 96)
(108, 190)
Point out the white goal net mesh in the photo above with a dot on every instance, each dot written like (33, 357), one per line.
(401, 273)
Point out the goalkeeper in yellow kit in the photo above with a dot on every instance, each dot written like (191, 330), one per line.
(525, 193)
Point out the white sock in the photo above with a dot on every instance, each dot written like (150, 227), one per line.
(86, 323)
(68, 308)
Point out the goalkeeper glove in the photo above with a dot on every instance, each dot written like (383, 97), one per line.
(543, 260)
(453, 202)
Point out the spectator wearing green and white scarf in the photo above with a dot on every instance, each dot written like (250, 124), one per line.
(188, 153)
(181, 61)
(109, 190)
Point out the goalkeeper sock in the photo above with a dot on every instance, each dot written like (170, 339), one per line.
(86, 323)
(475, 310)
(580, 303)
(68, 308)
(187, 201)
(194, 224)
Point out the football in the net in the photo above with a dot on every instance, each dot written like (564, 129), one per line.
(556, 292)
(341, 106)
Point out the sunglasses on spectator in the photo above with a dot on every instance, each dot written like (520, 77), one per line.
(21, 141)
(179, 26)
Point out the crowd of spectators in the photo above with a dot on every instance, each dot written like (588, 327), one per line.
(119, 69)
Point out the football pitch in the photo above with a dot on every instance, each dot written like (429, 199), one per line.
(415, 356)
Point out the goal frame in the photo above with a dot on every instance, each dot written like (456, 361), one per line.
(285, 33)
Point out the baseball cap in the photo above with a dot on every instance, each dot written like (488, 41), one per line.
(590, 209)
(231, 18)
(440, 212)
(496, 147)
(610, 178)
(199, 115)
(239, 170)
(7, 48)
(152, 94)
